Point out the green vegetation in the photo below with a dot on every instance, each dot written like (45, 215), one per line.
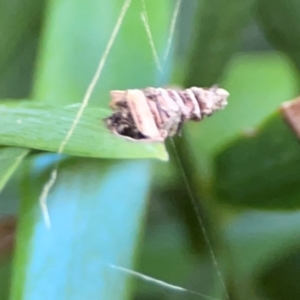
(117, 204)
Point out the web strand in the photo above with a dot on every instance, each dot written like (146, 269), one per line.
(186, 182)
(145, 20)
(85, 101)
(199, 219)
(172, 29)
(160, 282)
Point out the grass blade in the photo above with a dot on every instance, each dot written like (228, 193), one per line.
(42, 127)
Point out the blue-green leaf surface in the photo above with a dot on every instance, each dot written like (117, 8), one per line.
(94, 210)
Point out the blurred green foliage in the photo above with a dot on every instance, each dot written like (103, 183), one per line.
(242, 165)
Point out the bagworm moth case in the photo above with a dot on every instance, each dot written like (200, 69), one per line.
(153, 114)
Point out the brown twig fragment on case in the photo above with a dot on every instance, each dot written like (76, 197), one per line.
(291, 113)
(153, 114)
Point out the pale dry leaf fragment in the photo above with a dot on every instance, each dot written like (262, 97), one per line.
(141, 113)
(153, 114)
(291, 113)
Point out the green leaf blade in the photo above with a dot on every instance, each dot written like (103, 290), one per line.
(219, 28)
(42, 127)
(261, 171)
(282, 34)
